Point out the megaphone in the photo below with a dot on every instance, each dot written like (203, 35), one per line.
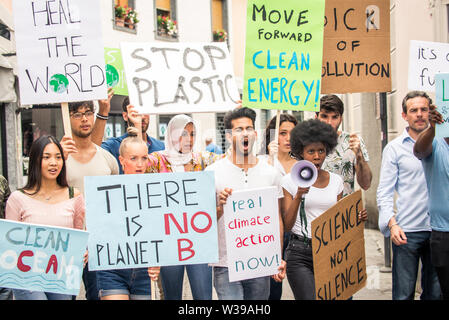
(304, 173)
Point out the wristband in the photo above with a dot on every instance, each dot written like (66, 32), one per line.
(99, 116)
(394, 224)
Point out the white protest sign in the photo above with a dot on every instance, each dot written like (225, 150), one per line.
(426, 60)
(59, 51)
(167, 78)
(252, 233)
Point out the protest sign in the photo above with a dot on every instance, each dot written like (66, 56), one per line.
(59, 51)
(338, 246)
(426, 60)
(167, 78)
(356, 50)
(41, 258)
(143, 220)
(283, 54)
(251, 220)
(442, 103)
(115, 73)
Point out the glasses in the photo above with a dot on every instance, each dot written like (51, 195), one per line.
(79, 115)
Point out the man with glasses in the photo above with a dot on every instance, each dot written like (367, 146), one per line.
(85, 158)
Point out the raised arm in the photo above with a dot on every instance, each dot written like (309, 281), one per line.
(101, 119)
(423, 145)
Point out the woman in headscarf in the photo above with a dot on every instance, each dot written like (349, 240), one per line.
(179, 156)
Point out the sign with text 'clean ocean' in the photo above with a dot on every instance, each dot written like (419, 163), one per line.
(41, 258)
(143, 220)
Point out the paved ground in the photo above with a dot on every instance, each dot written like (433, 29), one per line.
(378, 285)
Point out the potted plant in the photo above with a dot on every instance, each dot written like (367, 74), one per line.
(120, 13)
(166, 26)
(131, 18)
(220, 35)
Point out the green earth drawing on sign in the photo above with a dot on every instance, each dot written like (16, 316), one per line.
(59, 83)
(112, 76)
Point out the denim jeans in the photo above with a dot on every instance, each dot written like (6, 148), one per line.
(135, 283)
(200, 279)
(90, 283)
(439, 244)
(405, 268)
(300, 274)
(20, 294)
(5, 294)
(250, 289)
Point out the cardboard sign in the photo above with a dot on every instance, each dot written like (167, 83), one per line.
(426, 60)
(252, 233)
(338, 246)
(41, 258)
(356, 52)
(115, 72)
(143, 220)
(283, 54)
(442, 104)
(59, 51)
(167, 78)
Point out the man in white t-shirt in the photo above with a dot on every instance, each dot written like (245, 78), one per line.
(241, 170)
(85, 158)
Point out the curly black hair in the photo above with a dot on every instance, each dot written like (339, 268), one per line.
(312, 131)
(237, 114)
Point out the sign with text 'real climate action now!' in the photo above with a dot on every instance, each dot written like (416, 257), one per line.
(283, 54)
(442, 103)
(41, 258)
(167, 78)
(59, 51)
(142, 220)
(253, 246)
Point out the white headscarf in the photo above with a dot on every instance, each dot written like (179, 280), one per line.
(172, 152)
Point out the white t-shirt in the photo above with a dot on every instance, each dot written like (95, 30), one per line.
(228, 175)
(317, 200)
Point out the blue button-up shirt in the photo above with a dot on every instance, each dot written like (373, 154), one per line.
(113, 146)
(403, 173)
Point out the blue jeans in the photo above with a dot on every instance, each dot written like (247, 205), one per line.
(135, 283)
(90, 283)
(200, 279)
(405, 268)
(5, 294)
(251, 289)
(20, 294)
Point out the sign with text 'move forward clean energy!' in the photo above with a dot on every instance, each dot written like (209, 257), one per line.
(143, 220)
(59, 51)
(41, 258)
(283, 54)
(442, 103)
(251, 219)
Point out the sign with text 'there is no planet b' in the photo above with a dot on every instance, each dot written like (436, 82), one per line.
(283, 54)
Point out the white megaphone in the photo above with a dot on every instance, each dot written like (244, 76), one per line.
(304, 173)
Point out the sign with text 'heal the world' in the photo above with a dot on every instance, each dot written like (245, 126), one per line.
(356, 51)
(167, 78)
(442, 103)
(251, 219)
(41, 258)
(142, 220)
(59, 51)
(426, 60)
(283, 54)
(338, 245)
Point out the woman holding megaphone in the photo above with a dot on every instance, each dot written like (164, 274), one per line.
(307, 194)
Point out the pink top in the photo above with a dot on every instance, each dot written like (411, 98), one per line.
(67, 214)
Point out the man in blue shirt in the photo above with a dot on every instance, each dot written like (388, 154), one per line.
(113, 144)
(434, 155)
(212, 147)
(409, 229)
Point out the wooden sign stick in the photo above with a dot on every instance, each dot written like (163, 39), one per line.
(153, 290)
(66, 119)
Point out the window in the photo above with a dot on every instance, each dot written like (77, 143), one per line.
(219, 20)
(125, 15)
(165, 19)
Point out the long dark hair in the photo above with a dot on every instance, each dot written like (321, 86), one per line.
(35, 164)
(268, 137)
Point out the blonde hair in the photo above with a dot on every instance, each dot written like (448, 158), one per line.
(132, 138)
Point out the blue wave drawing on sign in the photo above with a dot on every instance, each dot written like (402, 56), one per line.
(33, 282)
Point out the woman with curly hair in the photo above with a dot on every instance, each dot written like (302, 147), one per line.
(310, 140)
